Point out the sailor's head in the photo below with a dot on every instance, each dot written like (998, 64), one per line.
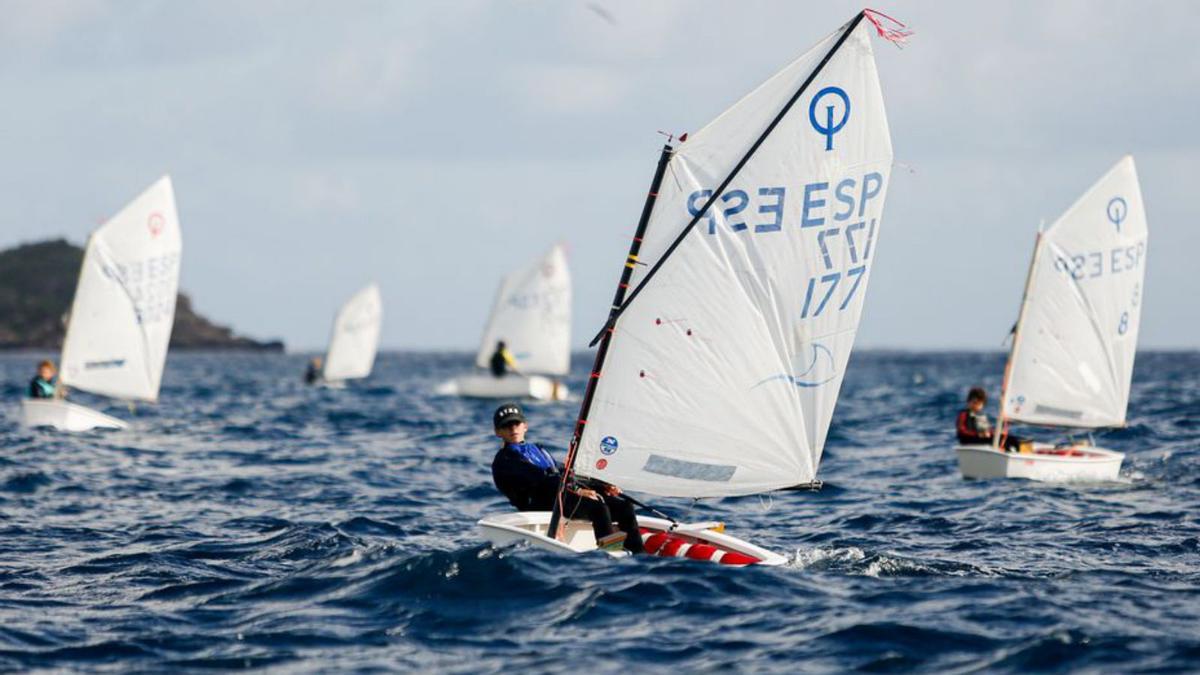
(500, 345)
(509, 423)
(976, 398)
(315, 362)
(45, 370)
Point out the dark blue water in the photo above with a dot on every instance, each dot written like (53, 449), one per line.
(247, 521)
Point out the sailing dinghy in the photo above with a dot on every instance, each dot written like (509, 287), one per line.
(354, 340)
(532, 315)
(717, 373)
(122, 315)
(1071, 361)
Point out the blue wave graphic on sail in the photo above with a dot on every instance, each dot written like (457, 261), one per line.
(811, 376)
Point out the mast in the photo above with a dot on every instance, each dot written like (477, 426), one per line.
(720, 190)
(606, 335)
(1012, 354)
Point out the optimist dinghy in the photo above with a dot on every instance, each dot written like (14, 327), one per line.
(717, 374)
(122, 314)
(1076, 337)
(532, 315)
(354, 340)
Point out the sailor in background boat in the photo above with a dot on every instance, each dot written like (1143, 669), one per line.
(974, 427)
(312, 374)
(529, 477)
(43, 385)
(503, 360)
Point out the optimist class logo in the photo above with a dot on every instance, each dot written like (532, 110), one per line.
(608, 445)
(156, 223)
(829, 95)
(1117, 210)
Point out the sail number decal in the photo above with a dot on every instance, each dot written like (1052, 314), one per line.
(150, 285)
(839, 217)
(1099, 263)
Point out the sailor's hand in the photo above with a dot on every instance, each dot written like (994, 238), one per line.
(612, 490)
(588, 493)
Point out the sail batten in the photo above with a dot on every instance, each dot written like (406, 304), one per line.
(1072, 358)
(532, 316)
(725, 362)
(355, 338)
(124, 306)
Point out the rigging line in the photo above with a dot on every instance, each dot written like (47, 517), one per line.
(612, 319)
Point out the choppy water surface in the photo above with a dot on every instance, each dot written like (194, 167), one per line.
(247, 521)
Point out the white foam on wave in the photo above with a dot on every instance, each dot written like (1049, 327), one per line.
(354, 557)
(805, 558)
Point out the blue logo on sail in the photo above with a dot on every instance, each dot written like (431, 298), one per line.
(829, 94)
(1117, 210)
(820, 371)
(608, 445)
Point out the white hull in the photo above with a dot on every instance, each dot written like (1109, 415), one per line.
(65, 416)
(1045, 463)
(697, 541)
(507, 387)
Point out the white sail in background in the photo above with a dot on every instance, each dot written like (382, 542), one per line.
(124, 307)
(532, 315)
(722, 375)
(355, 336)
(1072, 358)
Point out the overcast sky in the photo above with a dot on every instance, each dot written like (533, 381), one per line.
(433, 146)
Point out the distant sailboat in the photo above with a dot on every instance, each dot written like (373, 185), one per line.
(718, 371)
(1072, 354)
(532, 316)
(122, 316)
(355, 338)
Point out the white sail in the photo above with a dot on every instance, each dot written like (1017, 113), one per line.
(355, 336)
(1072, 356)
(124, 307)
(532, 315)
(722, 375)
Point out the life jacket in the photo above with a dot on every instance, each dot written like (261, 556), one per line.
(527, 486)
(39, 388)
(973, 427)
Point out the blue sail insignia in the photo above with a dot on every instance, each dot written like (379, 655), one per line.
(814, 375)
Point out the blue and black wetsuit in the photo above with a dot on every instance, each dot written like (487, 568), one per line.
(529, 477)
(40, 388)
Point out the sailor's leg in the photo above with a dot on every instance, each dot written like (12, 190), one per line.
(593, 510)
(622, 512)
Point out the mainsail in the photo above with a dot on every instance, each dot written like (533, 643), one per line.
(723, 369)
(124, 307)
(355, 336)
(1072, 355)
(532, 315)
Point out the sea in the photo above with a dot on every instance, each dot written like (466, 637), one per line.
(247, 521)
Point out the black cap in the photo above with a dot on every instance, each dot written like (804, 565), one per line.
(509, 412)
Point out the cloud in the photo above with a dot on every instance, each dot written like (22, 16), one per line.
(324, 191)
(40, 26)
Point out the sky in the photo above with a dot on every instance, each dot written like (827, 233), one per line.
(434, 146)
